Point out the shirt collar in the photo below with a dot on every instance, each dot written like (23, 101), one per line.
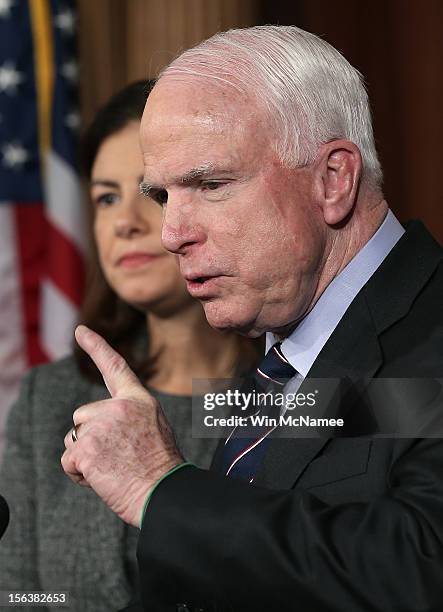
(303, 346)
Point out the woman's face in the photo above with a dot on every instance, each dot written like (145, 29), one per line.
(127, 228)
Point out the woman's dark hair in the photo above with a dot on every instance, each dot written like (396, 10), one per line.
(125, 106)
(103, 310)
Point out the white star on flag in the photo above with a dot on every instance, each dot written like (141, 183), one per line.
(5, 8)
(9, 77)
(14, 154)
(72, 120)
(65, 21)
(70, 71)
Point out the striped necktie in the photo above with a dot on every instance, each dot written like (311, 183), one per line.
(242, 455)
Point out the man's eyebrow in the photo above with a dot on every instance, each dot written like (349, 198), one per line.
(196, 173)
(199, 172)
(147, 189)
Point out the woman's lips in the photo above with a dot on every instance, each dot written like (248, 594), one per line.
(136, 260)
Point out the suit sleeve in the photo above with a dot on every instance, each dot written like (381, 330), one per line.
(219, 544)
(18, 549)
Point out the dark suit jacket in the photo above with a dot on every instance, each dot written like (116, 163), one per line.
(349, 525)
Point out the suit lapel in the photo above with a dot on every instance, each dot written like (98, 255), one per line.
(392, 290)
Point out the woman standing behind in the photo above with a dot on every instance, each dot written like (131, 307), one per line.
(62, 537)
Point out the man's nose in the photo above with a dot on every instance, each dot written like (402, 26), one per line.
(180, 229)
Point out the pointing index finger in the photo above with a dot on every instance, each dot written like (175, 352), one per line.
(117, 375)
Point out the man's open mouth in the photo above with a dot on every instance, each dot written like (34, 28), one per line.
(199, 286)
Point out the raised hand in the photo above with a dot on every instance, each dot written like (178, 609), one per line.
(124, 444)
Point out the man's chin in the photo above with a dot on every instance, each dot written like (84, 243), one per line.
(223, 318)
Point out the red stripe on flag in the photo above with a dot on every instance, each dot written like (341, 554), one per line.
(31, 236)
(65, 265)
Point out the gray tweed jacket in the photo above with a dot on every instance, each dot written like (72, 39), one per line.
(61, 537)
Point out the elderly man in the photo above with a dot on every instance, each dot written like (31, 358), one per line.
(258, 144)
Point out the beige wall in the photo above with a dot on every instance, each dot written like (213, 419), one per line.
(124, 40)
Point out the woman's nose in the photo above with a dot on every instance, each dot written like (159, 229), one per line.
(129, 222)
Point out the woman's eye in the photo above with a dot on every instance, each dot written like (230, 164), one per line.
(106, 199)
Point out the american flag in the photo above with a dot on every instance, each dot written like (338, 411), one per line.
(42, 218)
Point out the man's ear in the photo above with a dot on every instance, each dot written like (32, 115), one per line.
(338, 172)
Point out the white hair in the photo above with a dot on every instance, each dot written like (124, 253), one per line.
(311, 93)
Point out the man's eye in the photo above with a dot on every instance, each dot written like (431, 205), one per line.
(211, 185)
(106, 199)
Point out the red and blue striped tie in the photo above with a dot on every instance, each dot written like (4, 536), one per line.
(242, 455)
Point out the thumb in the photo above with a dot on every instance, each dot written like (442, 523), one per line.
(117, 375)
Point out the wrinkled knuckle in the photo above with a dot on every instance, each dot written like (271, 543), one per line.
(116, 364)
(69, 462)
(87, 459)
(82, 466)
(76, 414)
